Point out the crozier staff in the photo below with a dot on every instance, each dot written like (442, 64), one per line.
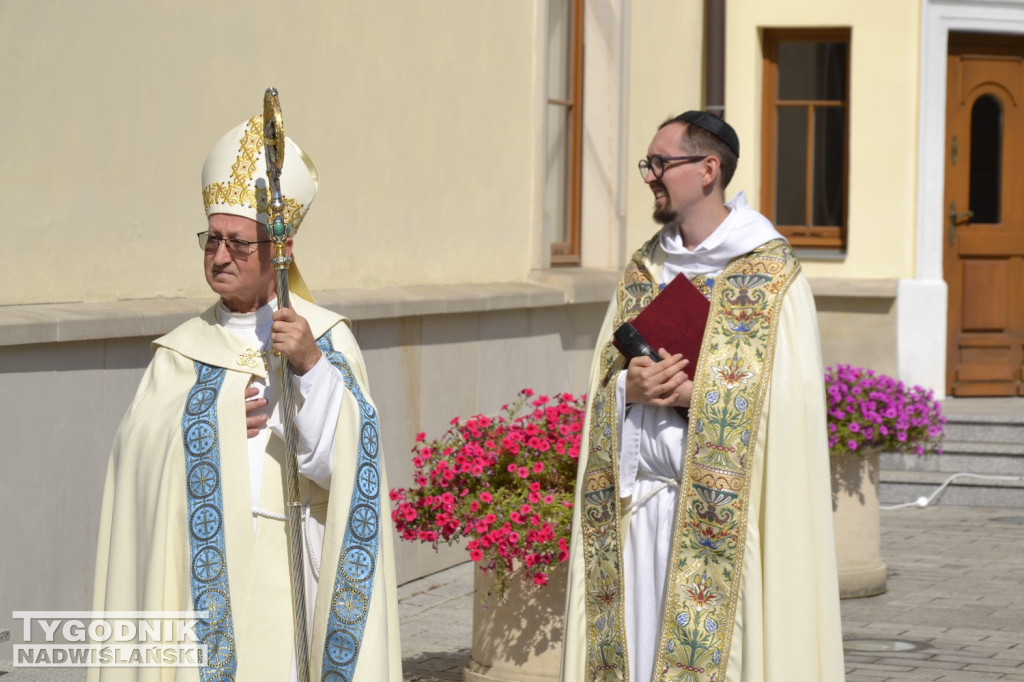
(280, 231)
(194, 505)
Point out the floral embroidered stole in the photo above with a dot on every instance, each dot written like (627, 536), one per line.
(730, 384)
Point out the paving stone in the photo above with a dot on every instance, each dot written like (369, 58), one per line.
(966, 658)
(965, 676)
(913, 676)
(423, 600)
(953, 586)
(858, 676)
(1013, 637)
(1019, 669)
(884, 667)
(925, 663)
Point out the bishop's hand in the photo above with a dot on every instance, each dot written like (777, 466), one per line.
(254, 422)
(291, 337)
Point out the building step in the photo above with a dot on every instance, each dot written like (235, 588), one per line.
(987, 420)
(970, 456)
(984, 437)
(899, 487)
(984, 430)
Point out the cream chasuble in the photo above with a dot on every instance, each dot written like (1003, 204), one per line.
(176, 530)
(785, 612)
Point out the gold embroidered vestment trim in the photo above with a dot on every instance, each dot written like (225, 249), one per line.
(730, 385)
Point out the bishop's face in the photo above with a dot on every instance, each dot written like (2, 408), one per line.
(244, 282)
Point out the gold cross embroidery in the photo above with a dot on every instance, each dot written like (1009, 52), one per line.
(250, 358)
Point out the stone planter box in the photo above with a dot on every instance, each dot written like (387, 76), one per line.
(857, 522)
(520, 638)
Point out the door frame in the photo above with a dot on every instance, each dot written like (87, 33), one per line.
(923, 300)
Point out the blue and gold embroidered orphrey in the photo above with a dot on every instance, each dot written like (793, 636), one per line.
(353, 585)
(209, 574)
(353, 582)
(730, 385)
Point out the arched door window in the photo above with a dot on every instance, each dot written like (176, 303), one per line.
(986, 159)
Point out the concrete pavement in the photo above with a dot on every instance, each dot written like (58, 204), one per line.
(954, 610)
(956, 593)
(437, 625)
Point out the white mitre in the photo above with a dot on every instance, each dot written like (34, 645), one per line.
(235, 182)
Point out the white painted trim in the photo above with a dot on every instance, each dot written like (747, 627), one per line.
(922, 338)
(939, 17)
(921, 333)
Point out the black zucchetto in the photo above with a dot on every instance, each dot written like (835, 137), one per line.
(714, 125)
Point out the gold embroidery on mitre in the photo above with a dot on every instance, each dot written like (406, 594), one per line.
(242, 190)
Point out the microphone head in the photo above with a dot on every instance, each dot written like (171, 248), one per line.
(628, 337)
(629, 341)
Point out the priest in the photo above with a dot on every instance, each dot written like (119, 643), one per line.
(193, 506)
(702, 545)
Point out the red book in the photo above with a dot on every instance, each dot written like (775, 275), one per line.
(674, 320)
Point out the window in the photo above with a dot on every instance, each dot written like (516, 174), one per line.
(565, 130)
(806, 114)
(986, 159)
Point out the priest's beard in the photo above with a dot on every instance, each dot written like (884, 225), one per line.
(664, 215)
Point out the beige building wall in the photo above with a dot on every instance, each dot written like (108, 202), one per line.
(426, 123)
(883, 119)
(856, 291)
(665, 79)
(426, 120)
(438, 354)
(421, 116)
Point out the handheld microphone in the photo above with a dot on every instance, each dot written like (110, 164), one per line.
(629, 341)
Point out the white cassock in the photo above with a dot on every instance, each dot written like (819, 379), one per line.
(318, 397)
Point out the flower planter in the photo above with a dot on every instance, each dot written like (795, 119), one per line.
(857, 522)
(518, 639)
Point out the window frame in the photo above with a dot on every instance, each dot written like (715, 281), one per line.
(568, 252)
(810, 236)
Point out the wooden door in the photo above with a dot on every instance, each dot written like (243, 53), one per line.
(983, 234)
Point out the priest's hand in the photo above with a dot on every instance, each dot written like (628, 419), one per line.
(254, 422)
(290, 335)
(685, 391)
(661, 383)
